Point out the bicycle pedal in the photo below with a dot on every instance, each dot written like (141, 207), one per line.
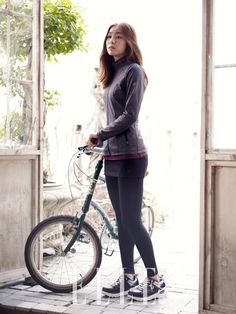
(107, 252)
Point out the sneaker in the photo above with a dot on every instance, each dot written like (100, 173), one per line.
(148, 290)
(120, 287)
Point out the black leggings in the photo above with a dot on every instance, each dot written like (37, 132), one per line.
(126, 198)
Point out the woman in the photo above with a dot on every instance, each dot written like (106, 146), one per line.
(125, 155)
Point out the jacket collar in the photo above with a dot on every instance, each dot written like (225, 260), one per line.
(119, 63)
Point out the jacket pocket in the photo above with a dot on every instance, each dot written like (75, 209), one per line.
(126, 138)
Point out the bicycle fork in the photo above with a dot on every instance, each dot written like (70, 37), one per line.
(85, 207)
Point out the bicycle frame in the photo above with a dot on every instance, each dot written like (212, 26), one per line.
(106, 219)
(85, 207)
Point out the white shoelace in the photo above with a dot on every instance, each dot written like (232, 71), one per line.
(147, 282)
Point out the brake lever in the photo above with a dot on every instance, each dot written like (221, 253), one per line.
(84, 149)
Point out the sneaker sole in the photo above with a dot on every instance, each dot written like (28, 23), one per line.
(115, 295)
(158, 295)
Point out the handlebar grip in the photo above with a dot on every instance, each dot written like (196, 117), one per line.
(94, 140)
(88, 150)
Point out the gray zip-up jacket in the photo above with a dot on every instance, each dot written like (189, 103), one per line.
(123, 99)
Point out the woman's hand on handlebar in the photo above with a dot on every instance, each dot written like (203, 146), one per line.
(92, 140)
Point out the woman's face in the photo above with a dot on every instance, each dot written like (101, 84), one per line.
(115, 43)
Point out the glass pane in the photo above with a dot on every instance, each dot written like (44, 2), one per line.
(224, 32)
(2, 115)
(23, 6)
(17, 6)
(3, 4)
(3, 41)
(20, 48)
(224, 75)
(15, 115)
(16, 88)
(224, 111)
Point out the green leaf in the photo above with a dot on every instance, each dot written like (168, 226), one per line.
(64, 28)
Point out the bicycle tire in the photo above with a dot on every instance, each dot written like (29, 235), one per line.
(110, 244)
(54, 270)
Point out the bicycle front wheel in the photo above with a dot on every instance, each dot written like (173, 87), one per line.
(50, 266)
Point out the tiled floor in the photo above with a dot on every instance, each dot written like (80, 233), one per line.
(177, 257)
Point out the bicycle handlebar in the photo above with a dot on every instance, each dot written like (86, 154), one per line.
(88, 150)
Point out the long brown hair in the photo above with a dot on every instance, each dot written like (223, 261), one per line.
(132, 54)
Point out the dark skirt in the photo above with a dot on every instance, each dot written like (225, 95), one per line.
(132, 167)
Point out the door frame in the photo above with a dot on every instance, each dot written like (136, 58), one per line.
(33, 154)
(210, 159)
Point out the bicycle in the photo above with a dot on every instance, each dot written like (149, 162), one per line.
(64, 252)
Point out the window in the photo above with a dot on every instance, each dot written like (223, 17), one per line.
(224, 75)
(18, 91)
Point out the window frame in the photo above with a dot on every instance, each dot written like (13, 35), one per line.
(11, 148)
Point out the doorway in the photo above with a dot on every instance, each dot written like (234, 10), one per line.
(170, 36)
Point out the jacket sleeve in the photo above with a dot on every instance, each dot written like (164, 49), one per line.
(135, 88)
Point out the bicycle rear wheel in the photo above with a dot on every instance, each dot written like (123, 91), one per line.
(47, 263)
